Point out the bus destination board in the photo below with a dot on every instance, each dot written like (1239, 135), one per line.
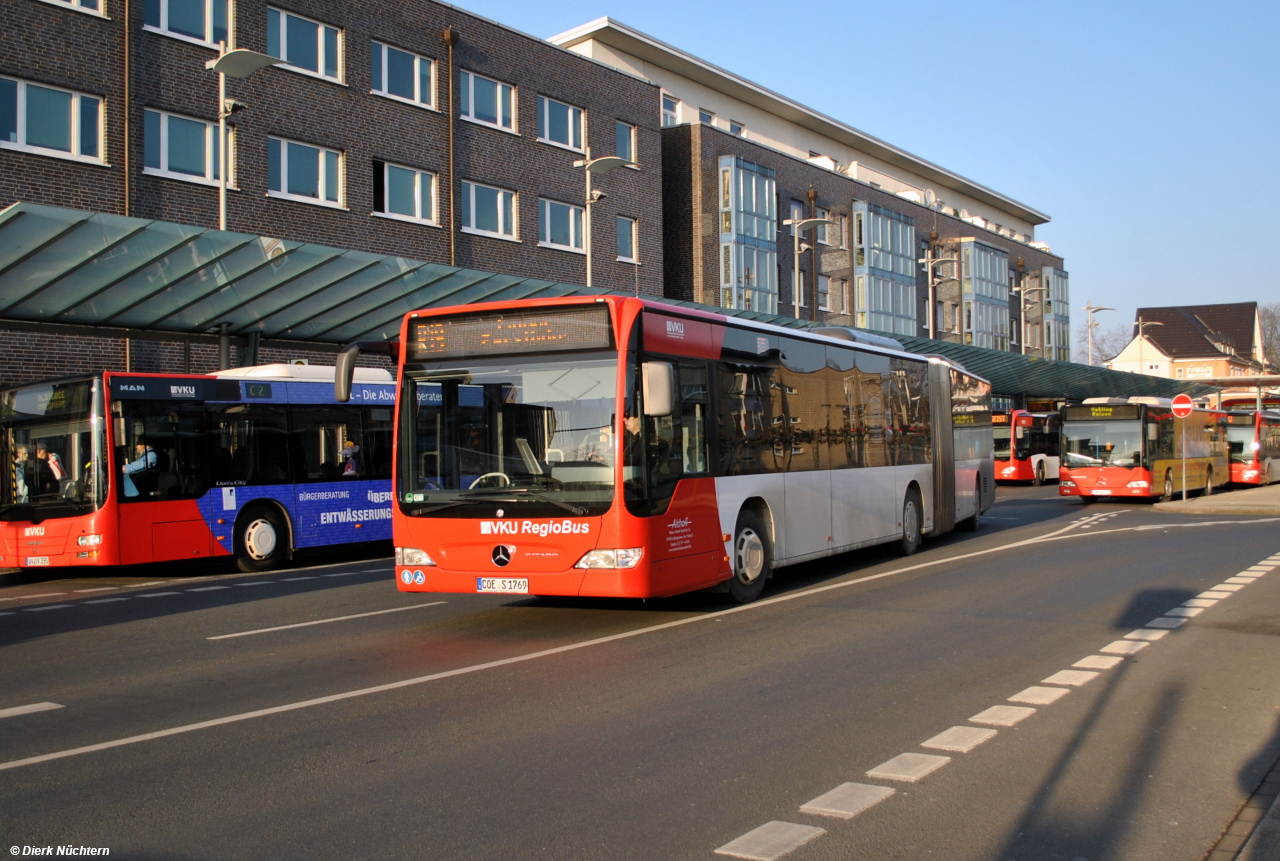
(1093, 412)
(507, 333)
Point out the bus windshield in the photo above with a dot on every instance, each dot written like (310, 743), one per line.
(1001, 439)
(1103, 443)
(1241, 438)
(533, 438)
(52, 436)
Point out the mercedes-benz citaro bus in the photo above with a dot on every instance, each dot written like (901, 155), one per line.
(122, 468)
(614, 446)
(1026, 445)
(1114, 447)
(1254, 438)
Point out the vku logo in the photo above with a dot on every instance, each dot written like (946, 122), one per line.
(33, 530)
(182, 391)
(499, 527)
(675, 329)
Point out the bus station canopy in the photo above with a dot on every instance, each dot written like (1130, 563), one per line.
(70, 267)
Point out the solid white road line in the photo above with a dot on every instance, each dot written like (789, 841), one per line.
(1075, 678)
(909, 767)
(849, 799)
(1039, 696)
(26, 710)
(770, 841)
(324, 621)
(1098, 662)
(960, 739)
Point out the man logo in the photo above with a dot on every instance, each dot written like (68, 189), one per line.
(502, 556)
(132, 387)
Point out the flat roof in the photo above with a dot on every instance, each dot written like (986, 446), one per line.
(614, 33)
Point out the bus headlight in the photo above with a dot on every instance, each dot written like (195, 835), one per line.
(412, 556)
(1066, 482)
(1141, 485)
(1250, 473)
(624, 558)
(89, 540)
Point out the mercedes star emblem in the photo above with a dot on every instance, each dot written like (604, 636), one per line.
(501, 555)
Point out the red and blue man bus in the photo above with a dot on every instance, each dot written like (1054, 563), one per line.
(122, 468)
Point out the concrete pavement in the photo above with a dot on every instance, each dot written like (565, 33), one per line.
(1255, 500)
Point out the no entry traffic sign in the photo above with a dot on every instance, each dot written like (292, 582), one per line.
(1182, 406)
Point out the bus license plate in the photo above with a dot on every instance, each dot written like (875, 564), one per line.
(519, 585)
(37, 560)
(1102, 493)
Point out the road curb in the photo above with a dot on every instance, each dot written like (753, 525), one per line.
(1255, 833)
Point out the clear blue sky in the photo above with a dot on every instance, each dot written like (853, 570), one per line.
(1146, 131)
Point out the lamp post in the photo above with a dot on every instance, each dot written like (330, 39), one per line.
(797, 225)
(239, 63)
(929, 261)
(1022, 309)
(1142, 324)
(603, 165)
(1089, 309)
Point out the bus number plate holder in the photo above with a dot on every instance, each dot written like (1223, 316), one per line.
(1101, 493)
(510, 585)
(37, 560)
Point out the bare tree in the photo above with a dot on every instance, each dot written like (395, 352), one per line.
(1106, 342)
(1269, 314)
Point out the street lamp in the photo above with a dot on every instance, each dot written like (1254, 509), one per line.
(1089, 309)
(929, 261)
(1142, 324)
(1022, 309)
(797, 225)
(240, 63)
(603, 165)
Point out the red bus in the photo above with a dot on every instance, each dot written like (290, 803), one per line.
(1026, 445)
(1134, 448)
(1254, 439)
(121, 468)
(615, 446)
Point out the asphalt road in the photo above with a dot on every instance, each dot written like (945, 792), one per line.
(207, 715)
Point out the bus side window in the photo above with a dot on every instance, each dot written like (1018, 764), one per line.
(326, 443)
(174, 435)
(377, 440)
(249, 445)
(694, 403)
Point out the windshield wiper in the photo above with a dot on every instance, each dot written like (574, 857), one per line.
(494, 494)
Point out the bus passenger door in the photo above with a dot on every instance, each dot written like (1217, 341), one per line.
(808, 478)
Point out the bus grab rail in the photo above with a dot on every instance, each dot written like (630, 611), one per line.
(345, 367)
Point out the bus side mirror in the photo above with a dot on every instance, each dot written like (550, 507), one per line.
(659, 389)
(345, 366)
(1153, 432)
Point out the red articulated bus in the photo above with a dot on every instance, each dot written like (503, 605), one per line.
(1026, 445)
(1135, 448)
(614, 446)
(1254, 439)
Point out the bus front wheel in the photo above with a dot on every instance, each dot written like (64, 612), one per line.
(1039, 479)
(1208, 484)
(752, 558)
(260, 540)
(911, 523)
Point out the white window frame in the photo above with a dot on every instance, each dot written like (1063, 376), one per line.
(674, 113)
(468, 189)
(633, 226)
(706, 117)
(631, 141)
(340, 60)
(797, 284)
(163, 28)
(432, 181)
(322, 188)
(418, 59)
(467, 110)
(737, 129)
(20, 107)
(824, 296)
(100, 12)
(210, 137)
(576, 245)
(822, 231)
(576, 116)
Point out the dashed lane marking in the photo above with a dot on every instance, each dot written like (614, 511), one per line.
(296, 579)
(343, 574)
(208, 588)
(1075, 678)
(909, 767)
(1098, 662)
(770, 841)
(325, 621)
(26, 710)
(1168, 621)
(960, 739)
(1185, 611)
(158, 594)
(105, 600)
(1125, 647)
(46, 607)
(1201, 602)
(33, 597)
(1243, 581)
(1039, 696)
(1002, 715)
(255, 583)
(1146, 634)
(1227, 587)
(849, 799)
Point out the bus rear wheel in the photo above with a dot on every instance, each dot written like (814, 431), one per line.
(752, 558)
(1167, 495)
(260, 540)
(912, 519)
(1208, 483)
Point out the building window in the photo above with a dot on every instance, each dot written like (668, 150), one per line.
(485, 101)
(885, 254)
(824, 293)
(559, 123)
(735, 128)
(626, 239)
(404, 193)
(797, 212)
(559, 225)
(822, 231)
(706, 117)
(489, 211)
(624, 141)
(303, 44)
(400, 75)
(203, 21)
(842, 225)
(797, 286)
(181, 148)
(748, 236)
(303, 172)
(93, 6)
(50, 121)
(670, 110)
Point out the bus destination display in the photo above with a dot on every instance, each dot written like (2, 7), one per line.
(503, 334)
(1102, 411)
